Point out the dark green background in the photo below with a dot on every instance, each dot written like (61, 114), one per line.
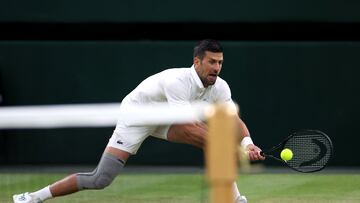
(281, 85)
(180, 11)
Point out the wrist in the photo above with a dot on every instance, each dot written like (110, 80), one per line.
(246, 141)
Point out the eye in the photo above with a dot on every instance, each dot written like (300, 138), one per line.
(212, 62)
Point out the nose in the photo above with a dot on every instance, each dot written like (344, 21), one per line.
(217, 67)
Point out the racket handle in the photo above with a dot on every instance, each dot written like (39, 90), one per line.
(262, 153)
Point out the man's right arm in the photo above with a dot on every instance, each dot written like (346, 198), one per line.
(191, 133)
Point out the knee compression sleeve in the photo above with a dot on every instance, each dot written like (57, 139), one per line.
(106, 171)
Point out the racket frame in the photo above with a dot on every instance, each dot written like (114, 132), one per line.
(281, 145)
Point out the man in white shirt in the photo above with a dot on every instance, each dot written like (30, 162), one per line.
(178, 87)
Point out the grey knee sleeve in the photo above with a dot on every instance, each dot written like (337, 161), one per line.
(106, 171)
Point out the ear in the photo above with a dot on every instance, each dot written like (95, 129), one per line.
(196, 61)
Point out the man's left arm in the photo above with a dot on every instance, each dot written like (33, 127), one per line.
(247, 143)
(223, 94)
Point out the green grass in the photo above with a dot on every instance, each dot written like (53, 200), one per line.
(190, 188)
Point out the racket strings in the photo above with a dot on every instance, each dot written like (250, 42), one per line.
(311, 151)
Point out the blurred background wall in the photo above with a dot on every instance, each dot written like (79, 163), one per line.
(290, 64)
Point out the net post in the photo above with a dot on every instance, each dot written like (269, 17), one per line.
(221, 167)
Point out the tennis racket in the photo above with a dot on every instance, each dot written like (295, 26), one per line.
(312, 150)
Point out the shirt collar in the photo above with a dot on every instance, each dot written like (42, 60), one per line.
(196, 77)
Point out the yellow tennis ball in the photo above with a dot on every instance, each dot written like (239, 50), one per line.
(286, 154)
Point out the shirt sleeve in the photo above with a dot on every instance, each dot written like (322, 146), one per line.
(223, 92)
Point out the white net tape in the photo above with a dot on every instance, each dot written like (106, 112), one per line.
(98, 115)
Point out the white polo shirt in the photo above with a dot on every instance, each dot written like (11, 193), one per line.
(178, 86)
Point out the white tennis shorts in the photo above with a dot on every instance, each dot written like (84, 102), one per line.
(129, 138)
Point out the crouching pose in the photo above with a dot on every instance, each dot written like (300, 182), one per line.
(178, 87)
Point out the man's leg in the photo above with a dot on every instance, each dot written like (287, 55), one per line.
(195, 134)
(111, 163)
(237, 196)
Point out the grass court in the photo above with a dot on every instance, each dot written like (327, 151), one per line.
(192, 188)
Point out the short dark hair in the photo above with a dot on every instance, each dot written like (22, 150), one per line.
(207, 45)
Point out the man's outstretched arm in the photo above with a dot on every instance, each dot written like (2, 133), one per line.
(195, 134)
(247, 143)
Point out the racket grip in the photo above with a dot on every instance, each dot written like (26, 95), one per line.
(262, 153)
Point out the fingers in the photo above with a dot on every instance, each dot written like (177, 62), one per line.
(254, 153)
(254, 156)
(260, 157)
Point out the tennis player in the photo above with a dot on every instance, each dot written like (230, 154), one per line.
(178, 87)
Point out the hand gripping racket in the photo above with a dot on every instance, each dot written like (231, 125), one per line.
(312, 150)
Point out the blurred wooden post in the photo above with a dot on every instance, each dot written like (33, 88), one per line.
(220, 155)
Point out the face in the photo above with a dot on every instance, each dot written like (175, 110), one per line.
(209, 67)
